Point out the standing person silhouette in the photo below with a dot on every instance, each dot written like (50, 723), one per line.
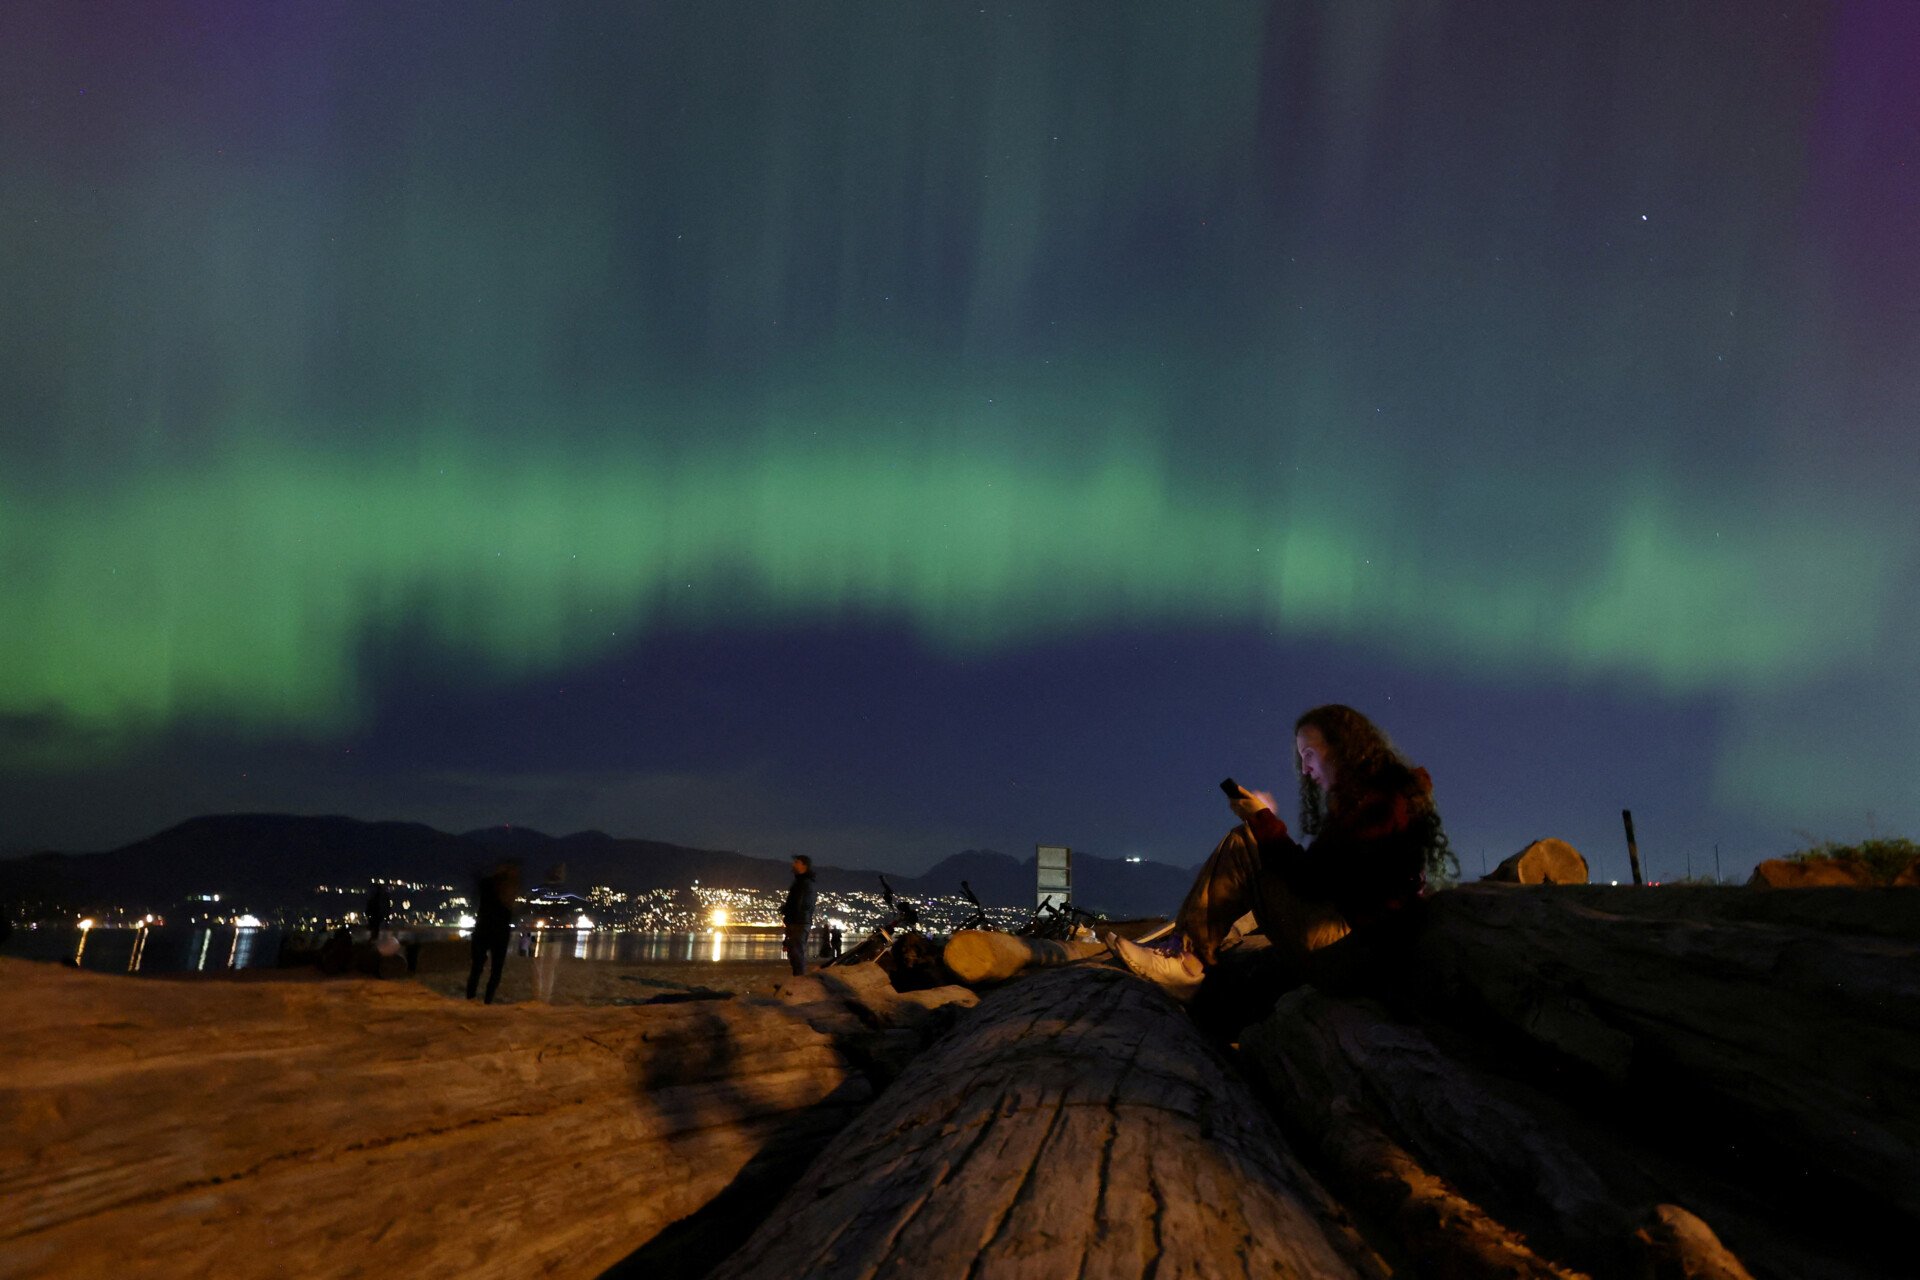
(378, 905)
(796, 913)
(493, 925)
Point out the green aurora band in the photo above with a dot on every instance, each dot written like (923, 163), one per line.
(248, 589)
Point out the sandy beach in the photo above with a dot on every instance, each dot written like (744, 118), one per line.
(605, 982)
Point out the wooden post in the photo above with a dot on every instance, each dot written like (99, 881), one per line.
(1633, 850)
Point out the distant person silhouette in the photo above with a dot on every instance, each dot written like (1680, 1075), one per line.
(796, 913)
(833, 942)
(336, 954)
(378, 905)
(493, 926)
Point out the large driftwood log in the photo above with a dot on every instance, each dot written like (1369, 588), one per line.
(1320, 1054)
(1446, 1232)
(1873, 913)
(1441, 1149)
(864, 990)
(367, 1128)
(1798, 1044)
(1542, 862)
(1815, 873)
(1075, 1124)
(881, 1030)
(1325, 1095)
(982, 955)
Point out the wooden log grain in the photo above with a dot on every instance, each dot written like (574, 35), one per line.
(1074, 1124)
(879, 1029)
(983, 955)
(1317, 1053)
(178, 1128)
(1482, 1172)
(1431, 1221)
(1676, 1245)
(1800, 1043)
(1865, 912)
(1546, 861)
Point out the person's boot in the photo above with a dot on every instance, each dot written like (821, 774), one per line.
(1178, 975)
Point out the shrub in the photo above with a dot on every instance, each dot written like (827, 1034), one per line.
(1883, 858)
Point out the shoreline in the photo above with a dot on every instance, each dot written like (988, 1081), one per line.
(577, 981)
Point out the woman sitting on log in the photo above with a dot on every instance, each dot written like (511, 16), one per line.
(1376, 836)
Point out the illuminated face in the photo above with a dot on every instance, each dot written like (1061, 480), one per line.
(1315, 760)
(799, 867)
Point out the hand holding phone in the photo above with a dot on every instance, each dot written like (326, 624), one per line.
(1245, 803)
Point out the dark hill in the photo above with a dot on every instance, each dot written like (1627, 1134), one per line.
(997, 878)
(264, 855)
(266, 859)
(505, 835)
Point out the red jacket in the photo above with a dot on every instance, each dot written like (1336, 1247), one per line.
(1367, 860)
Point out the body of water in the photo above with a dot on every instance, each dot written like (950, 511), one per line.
(161, 950)
(642, 948)
(169, 949)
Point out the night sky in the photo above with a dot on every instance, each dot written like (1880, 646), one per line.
(876, 429)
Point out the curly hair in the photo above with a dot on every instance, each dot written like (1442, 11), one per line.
(1367, 764)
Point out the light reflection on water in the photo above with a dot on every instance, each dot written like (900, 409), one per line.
(147, 950)
(641, 948)
(177, 949)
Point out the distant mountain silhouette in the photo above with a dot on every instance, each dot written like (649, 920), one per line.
(505, 835)
(267, 859)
